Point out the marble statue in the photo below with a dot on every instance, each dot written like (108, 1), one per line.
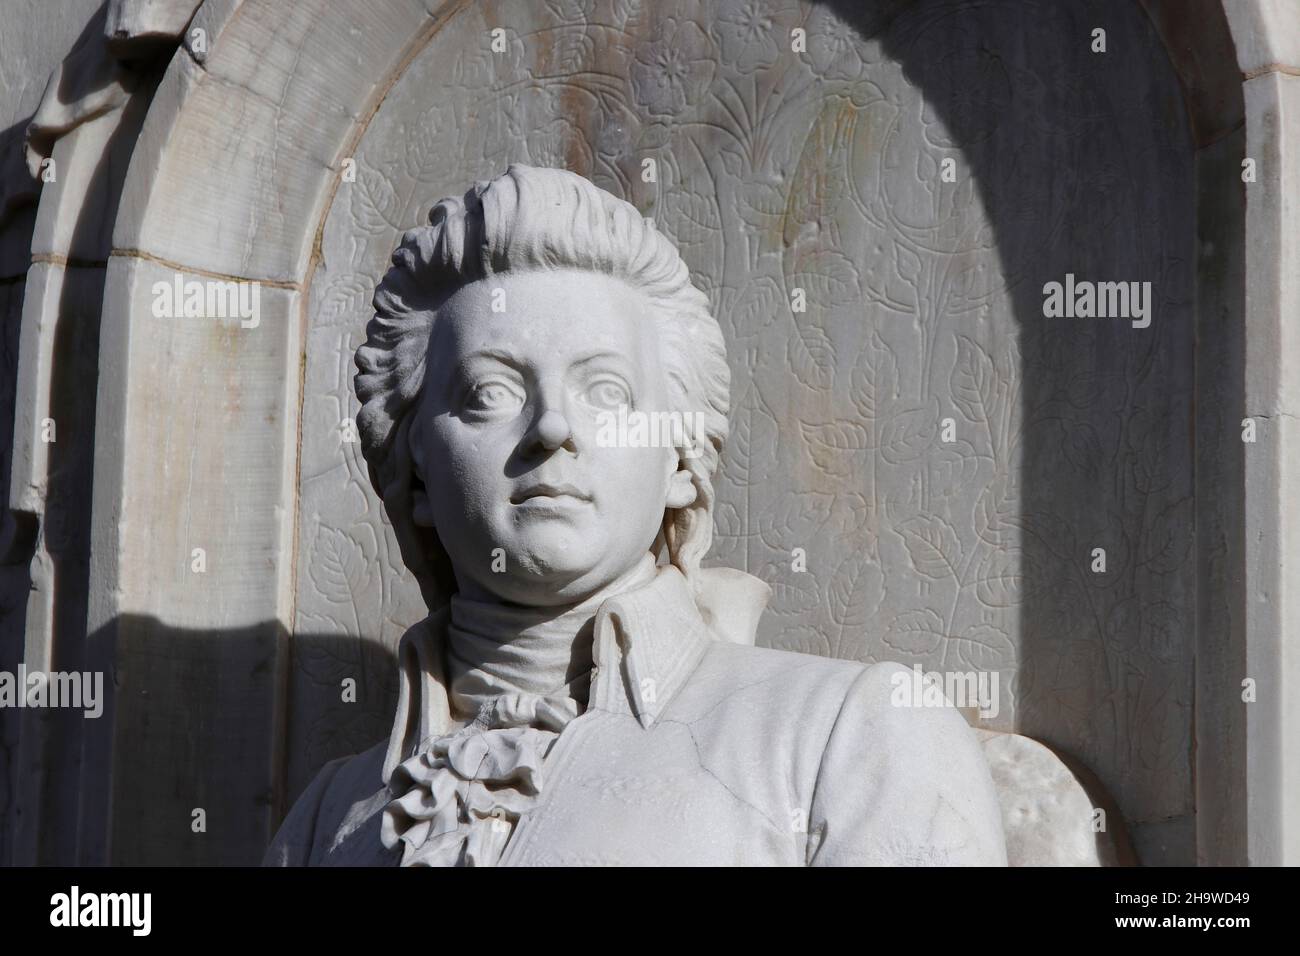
(591, 694)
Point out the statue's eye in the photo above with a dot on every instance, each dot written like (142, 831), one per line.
(608, 393)
(494, 395)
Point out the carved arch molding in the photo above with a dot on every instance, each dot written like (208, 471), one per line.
(822, 170)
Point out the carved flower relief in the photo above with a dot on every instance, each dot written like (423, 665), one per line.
(674, 70)
(746, 35)
(833, 50)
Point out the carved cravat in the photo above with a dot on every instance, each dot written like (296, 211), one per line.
(517, 676)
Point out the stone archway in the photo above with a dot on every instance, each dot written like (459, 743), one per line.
(208, 436)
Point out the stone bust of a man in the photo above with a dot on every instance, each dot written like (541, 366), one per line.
(590, 693)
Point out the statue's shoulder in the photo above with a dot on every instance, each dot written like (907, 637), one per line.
(789, 680)
(335, 822)
(752, 659)
(814, 693)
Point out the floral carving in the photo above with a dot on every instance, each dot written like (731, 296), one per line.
(674, 69)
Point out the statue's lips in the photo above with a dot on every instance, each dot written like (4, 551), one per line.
(553, 505)
(550, 496)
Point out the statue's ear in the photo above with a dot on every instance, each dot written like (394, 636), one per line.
(681, 489)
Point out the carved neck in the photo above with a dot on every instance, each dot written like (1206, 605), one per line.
(495, 649)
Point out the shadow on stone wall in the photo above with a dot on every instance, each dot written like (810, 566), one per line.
(46, 775)
(1084, 164)
(17, 530)
(206, 734)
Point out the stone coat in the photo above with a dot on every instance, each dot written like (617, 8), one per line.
(695, 750)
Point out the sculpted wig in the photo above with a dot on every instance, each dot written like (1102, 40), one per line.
(533, 219)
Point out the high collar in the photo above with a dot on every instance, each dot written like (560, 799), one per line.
(497, 649)
(646, 642)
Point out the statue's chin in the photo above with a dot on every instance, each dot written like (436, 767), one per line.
(538, 591)
(543, 577)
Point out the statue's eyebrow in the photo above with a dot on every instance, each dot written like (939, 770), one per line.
(618, 359)
(504, 356)
(509, 359)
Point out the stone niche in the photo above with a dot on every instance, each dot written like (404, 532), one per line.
(970, 484)
(775, 171)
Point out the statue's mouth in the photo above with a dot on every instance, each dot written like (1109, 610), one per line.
(543, 490)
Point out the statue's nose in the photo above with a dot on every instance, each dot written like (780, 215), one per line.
(553, 429)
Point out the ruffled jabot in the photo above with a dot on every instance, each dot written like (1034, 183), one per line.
(516, 677)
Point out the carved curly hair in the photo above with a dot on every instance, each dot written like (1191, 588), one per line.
(532, 218)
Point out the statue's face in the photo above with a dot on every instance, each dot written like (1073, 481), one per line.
(530, 508)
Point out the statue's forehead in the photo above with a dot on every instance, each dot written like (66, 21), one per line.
(573, 287)
(547, 314)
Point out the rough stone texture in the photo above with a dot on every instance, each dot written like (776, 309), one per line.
(1049, 815)
(221, 201)
(207, 662)
(250, 183)
(1221, 738)
(1272, 398)
(35, 39)
(14, 570)
(135, 20)
(1267, 35)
